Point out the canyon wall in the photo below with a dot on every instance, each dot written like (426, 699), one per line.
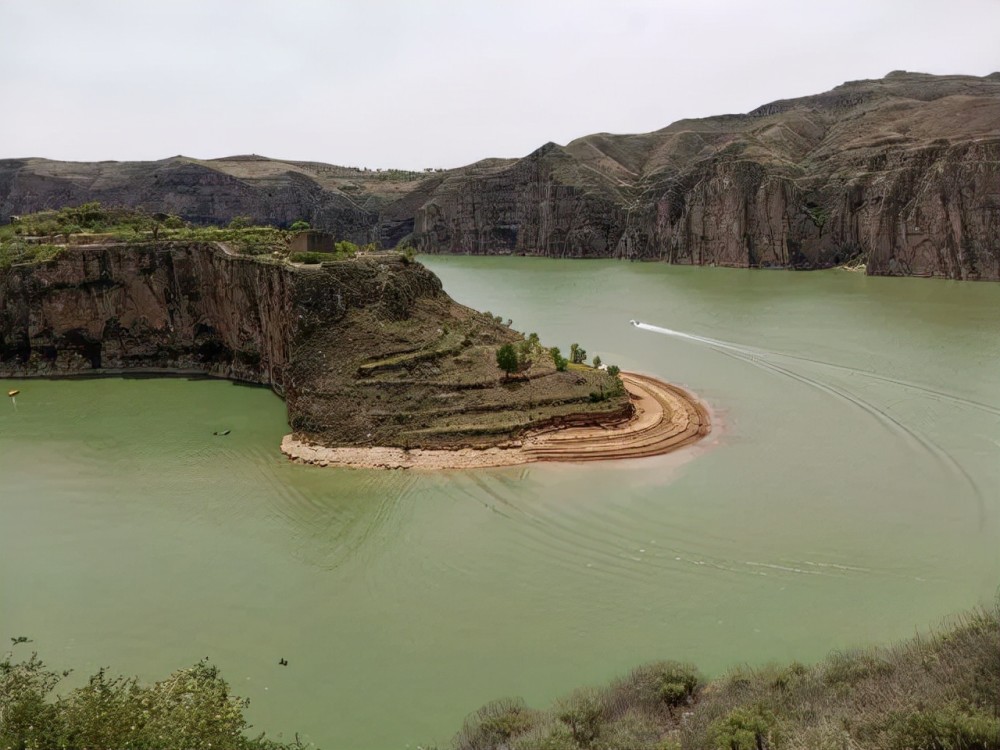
(901, 174)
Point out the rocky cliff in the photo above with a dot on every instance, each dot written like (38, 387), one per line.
(902, 174)
(366, 352)
(899, 173)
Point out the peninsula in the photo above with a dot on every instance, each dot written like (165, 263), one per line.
(378, 366)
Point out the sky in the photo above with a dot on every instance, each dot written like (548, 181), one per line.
(413, 84)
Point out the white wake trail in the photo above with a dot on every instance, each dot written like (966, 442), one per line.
(759, 358)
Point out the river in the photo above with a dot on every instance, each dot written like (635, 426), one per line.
(848, 495)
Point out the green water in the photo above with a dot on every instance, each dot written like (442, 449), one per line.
(835, 505)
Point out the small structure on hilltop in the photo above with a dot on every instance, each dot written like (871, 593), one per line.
(313, 241)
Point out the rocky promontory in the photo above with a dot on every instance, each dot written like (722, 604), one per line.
(366, 351)
(898, 175)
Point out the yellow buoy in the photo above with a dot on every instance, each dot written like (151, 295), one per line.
(12, 393)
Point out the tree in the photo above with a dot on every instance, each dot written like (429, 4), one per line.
(559, 360)
(597, 362)
(524, 352)
(507, 359)
(613, 370)
(299, 226)
(577, 354)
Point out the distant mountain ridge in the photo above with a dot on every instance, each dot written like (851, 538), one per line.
(901, 173)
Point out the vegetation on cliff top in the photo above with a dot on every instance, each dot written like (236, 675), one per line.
(940, 692)
(42, 236)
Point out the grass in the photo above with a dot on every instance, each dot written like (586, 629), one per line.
(937, 692)
(16, 251)
(26, 239)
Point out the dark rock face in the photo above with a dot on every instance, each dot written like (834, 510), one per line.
(900, 173)
(192, 308)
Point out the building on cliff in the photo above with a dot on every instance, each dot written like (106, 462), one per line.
(313, 241)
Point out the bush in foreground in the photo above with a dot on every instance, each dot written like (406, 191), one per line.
(192, 708)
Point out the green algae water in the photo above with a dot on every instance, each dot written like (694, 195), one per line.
(849, 494)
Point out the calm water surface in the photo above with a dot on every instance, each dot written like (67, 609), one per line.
(850, 495)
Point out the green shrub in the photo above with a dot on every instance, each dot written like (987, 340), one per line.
(507, 359)
(558, 359)
(657, 686)
(548, 737)
(946, 728)
(745, 728)
(583, 713)
(299, 226)
(191, 708)
(495, 724)
(849, 668)
(614, 370)
(17, 251)
(633, 731)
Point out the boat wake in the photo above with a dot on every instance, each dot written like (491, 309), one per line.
(779, 364)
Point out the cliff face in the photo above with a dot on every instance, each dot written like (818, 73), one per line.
(366, 352)
(900, 173)
(169, 307)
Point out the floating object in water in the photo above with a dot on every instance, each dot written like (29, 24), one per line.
(283, 662)
(634, 322)
(13, 393)
(222, 432)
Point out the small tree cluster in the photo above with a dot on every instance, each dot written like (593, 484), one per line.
(577, 354)
(528, 349)
(507, 360)
(560, 361)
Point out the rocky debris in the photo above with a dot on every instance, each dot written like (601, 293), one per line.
(900, 174)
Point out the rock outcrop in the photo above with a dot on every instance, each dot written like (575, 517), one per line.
(368, 351)
(901, 174)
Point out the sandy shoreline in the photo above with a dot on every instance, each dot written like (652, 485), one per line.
(666, 418)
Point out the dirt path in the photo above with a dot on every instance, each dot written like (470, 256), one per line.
(666, 418)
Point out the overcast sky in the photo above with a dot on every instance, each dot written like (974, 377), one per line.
(436, 83)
